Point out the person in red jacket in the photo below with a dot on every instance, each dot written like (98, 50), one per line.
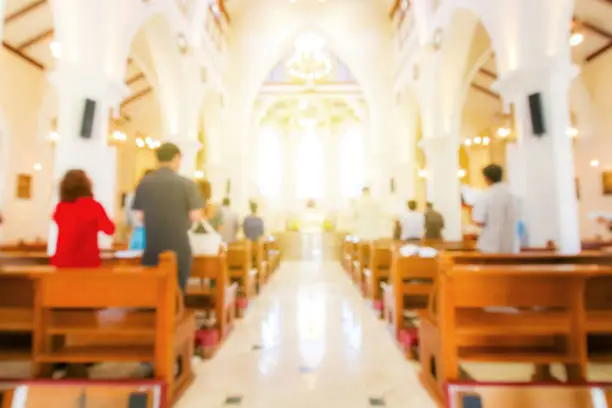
(79, 218)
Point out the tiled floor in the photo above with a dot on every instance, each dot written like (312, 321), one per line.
(309, 340)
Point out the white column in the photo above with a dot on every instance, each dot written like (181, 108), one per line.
(544, 171)
(72, 151)
(189, 150)
(443, 185)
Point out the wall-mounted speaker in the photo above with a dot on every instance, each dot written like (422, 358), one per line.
(89, 114)
(392, 185)
(538, 126)
(138, 400)
(228, 186)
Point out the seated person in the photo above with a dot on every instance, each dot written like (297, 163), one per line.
(412, 223)
(253, 224)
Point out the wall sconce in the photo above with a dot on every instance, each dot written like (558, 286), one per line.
(422, 173)
(461, 173)
(594, 163)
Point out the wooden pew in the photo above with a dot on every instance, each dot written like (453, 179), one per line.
(74, 326)
(378, 272)
(261, 262)
(361, 261)
(209, 288)
(272, 253)
(239, 263)
(548, 323)
(350, 252)
(411, 283)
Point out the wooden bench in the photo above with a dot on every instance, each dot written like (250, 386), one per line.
(349, 253)
(377, 273)
(272, 253)
(261, 262)
(240, 266)
(209, 288)
(411, 283)
(72, 323)
(361, 261)
(547, 321)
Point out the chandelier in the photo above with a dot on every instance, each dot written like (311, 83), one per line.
(309, 61)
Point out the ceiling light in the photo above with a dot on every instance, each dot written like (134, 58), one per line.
(56, 49)
(54, 136)
(119, 136)
(461, 173)
(37, 167)
(140, 143)
(594, 163)
(503, 132)
(573, 132)
(199, 174)
(486, 140)
(477, 140)
(468, 142)
(576, 38)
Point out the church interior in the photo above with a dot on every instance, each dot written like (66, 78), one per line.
(323, 120)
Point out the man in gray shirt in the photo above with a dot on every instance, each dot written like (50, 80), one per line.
(168, 204)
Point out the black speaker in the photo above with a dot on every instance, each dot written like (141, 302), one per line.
(138, 400)
(537, 116)
(228, 186)
(89, 114)
(392, 185)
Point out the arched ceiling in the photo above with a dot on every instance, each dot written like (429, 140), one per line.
(29, 31)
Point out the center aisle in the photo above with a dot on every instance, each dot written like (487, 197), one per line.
(308, 341)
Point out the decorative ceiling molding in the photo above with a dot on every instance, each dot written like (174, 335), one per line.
(36, 39)
(136, 96)
(21, 55)
(485, 91)
(23, 11)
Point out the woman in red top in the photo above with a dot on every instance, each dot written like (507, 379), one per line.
(79, 219)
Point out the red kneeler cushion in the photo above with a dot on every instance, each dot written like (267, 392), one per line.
(408, 337)
(242, 303)
(207, 337)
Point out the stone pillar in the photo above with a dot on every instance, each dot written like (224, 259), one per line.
(443, 185)
(189, 150)
(543, 174)
(76, 84)
(1, 20)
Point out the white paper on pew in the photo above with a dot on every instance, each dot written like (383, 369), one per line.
(133, 253)
(471, 195)
(428, 252)
(501, 309)
(409, 250)
(111, 315)
(594, 215)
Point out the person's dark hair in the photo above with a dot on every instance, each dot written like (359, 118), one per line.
(75, 185)
(493, 173)
(226, 202)
(167, 152)
(147, 172)
(412, 205)
(253, 205)
(430, 205)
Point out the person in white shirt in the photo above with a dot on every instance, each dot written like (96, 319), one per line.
(367, 216)
(412, 223)
(496, 214)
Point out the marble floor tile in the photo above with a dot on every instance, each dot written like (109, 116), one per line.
(309, 340)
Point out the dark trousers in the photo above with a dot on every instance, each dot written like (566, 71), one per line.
(184, 260)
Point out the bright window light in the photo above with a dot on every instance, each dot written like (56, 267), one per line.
(269, 166)
(351, 164)
(310, 168)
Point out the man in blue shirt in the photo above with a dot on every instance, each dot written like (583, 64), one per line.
(253, 225)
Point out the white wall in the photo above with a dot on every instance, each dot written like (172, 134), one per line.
(22, 87)
(595, 144)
